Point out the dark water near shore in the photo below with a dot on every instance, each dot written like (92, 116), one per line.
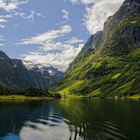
(79, 119)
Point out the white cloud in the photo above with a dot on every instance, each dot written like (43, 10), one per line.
(29, 17)
(74, 40)
(1, 44)
(74, 1)
(50, 51)
(47, 37)
(97, 12)
(65, 14)
(57, 60)
(84, 1)
(3, 20)
(11, 5)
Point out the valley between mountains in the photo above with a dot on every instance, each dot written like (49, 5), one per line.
(107, 66)
(109, 63)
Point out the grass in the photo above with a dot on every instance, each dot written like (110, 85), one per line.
(22, 98)
(131, 21)
(69, 89)
(95, 93)
(135, 97)
(114, 70)
(116, 76)
(73, 96)
(108, 76)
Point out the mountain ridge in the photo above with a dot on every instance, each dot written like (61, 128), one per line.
(14, 74)
(110, 67)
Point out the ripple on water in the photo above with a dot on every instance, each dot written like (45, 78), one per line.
(110, 131)
(56, 127)
(42, 124)
(47, 127)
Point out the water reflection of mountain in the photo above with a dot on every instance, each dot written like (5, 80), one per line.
(70, 120)
(33, 121)
(91, 119)
(14, 115)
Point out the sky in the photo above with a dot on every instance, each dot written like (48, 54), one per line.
(48, 32)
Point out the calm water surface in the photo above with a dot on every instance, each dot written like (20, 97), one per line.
(81, 119)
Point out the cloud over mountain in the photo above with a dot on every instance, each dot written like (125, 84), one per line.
(51, 51)
(97, 12)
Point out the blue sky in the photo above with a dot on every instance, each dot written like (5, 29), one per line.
(48, 32)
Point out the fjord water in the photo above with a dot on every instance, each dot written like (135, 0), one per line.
(77, 119)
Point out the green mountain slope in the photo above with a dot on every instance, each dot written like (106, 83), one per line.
(109, 65)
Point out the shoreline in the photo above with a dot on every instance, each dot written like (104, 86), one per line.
(43, 98)
(23, 98)
(132, 98)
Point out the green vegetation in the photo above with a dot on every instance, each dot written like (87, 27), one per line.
(129, 22)
(135, 97)
(22, 98)
(114, 70)
(116, 76)
(27, 94)
(106, 77)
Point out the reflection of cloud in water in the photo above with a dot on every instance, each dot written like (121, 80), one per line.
(44, 132)
(50, 127)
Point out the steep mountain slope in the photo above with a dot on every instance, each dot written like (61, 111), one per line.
(14, 74)
(109, 63)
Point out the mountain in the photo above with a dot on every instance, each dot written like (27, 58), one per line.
(14, 74)
(109, 63)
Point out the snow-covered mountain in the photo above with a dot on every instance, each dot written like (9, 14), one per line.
(20, 74)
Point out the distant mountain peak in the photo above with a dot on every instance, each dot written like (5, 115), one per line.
(3, 55)
(17, 74)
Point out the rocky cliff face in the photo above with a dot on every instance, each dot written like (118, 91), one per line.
(120, 34)
(90, 47)
(93, 42)
(121, 31)
(14, 74)
(109, 63)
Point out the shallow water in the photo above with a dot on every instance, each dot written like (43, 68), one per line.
(79, 119)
